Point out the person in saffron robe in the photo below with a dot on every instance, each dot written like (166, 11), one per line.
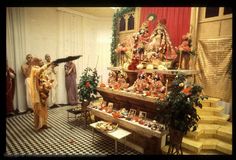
(52, 75)
(70, 80)
(40, 86)
(10, 89)
(26, 68)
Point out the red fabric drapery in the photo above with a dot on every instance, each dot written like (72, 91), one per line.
(177, 20)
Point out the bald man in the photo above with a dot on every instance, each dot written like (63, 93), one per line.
(40, 86)
(52, 76)
(26, 68)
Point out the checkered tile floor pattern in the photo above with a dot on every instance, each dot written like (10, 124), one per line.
(62, 139)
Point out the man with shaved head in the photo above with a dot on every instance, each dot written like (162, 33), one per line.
(26, 68)
(40, 86)
(52, 75)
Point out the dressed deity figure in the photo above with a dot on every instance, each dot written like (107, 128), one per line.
(156, 85)
(111, 79)
(141, 84)
(122, 81)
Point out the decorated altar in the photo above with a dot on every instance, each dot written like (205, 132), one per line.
(149, 138)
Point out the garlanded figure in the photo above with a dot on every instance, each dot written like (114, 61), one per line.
(39, 87)
(183, 53)
(143, 39)
(160, 47)
(52, 75)
(10, 89)
(70, 79)
(122, 76)
(111, 79)
(26, 68)
(135, 61)
(140, 41)
(157, 86)
(121, 51)
(141, 84)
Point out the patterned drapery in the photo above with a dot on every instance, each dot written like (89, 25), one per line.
(213, 62)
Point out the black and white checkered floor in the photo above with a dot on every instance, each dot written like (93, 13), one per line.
(62, 139)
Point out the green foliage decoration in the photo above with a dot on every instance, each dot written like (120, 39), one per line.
(88, 84)
(177, 110)
(115, 37)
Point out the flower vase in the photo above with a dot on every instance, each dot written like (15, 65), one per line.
(84, 104)
(176, 138)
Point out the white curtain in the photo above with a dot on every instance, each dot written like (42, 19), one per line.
(16, 50)
(60, 33)
(70, 44)
(85, 36)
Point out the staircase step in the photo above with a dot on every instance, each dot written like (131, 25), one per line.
(217, 110)
(210, 102)
(191, 145)
(208, 143)
(204, 129)
(188, 152)
(223, 133)
(197, 146)
(224, 147)
(213, 143)
(214, 119)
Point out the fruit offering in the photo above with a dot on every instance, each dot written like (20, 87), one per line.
(106, 126)
(116, 114)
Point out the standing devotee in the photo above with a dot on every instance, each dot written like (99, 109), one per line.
(40, 86)
(26, 68)
(52, 75)
(70, 79)
(10, 89)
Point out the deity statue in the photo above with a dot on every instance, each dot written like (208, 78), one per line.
(156, 85)
(183, 53)
(141, 84)
(111, 79)
(160, 45)
(122, 80)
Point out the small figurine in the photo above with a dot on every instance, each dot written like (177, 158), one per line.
(122, 80)
(121, 51)
(141, 83)
(111, 79)
(156, 85)
(183, 53)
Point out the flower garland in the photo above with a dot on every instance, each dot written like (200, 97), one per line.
(115, 38)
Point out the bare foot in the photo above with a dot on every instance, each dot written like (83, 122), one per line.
(46, 127)
(39, 130)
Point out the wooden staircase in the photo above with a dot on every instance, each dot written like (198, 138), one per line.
(213, 135)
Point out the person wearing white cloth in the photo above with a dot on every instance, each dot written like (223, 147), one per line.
(26, 68)
(52, 75)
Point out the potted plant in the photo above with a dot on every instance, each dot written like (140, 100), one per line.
(87, 86)
(177, 111)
